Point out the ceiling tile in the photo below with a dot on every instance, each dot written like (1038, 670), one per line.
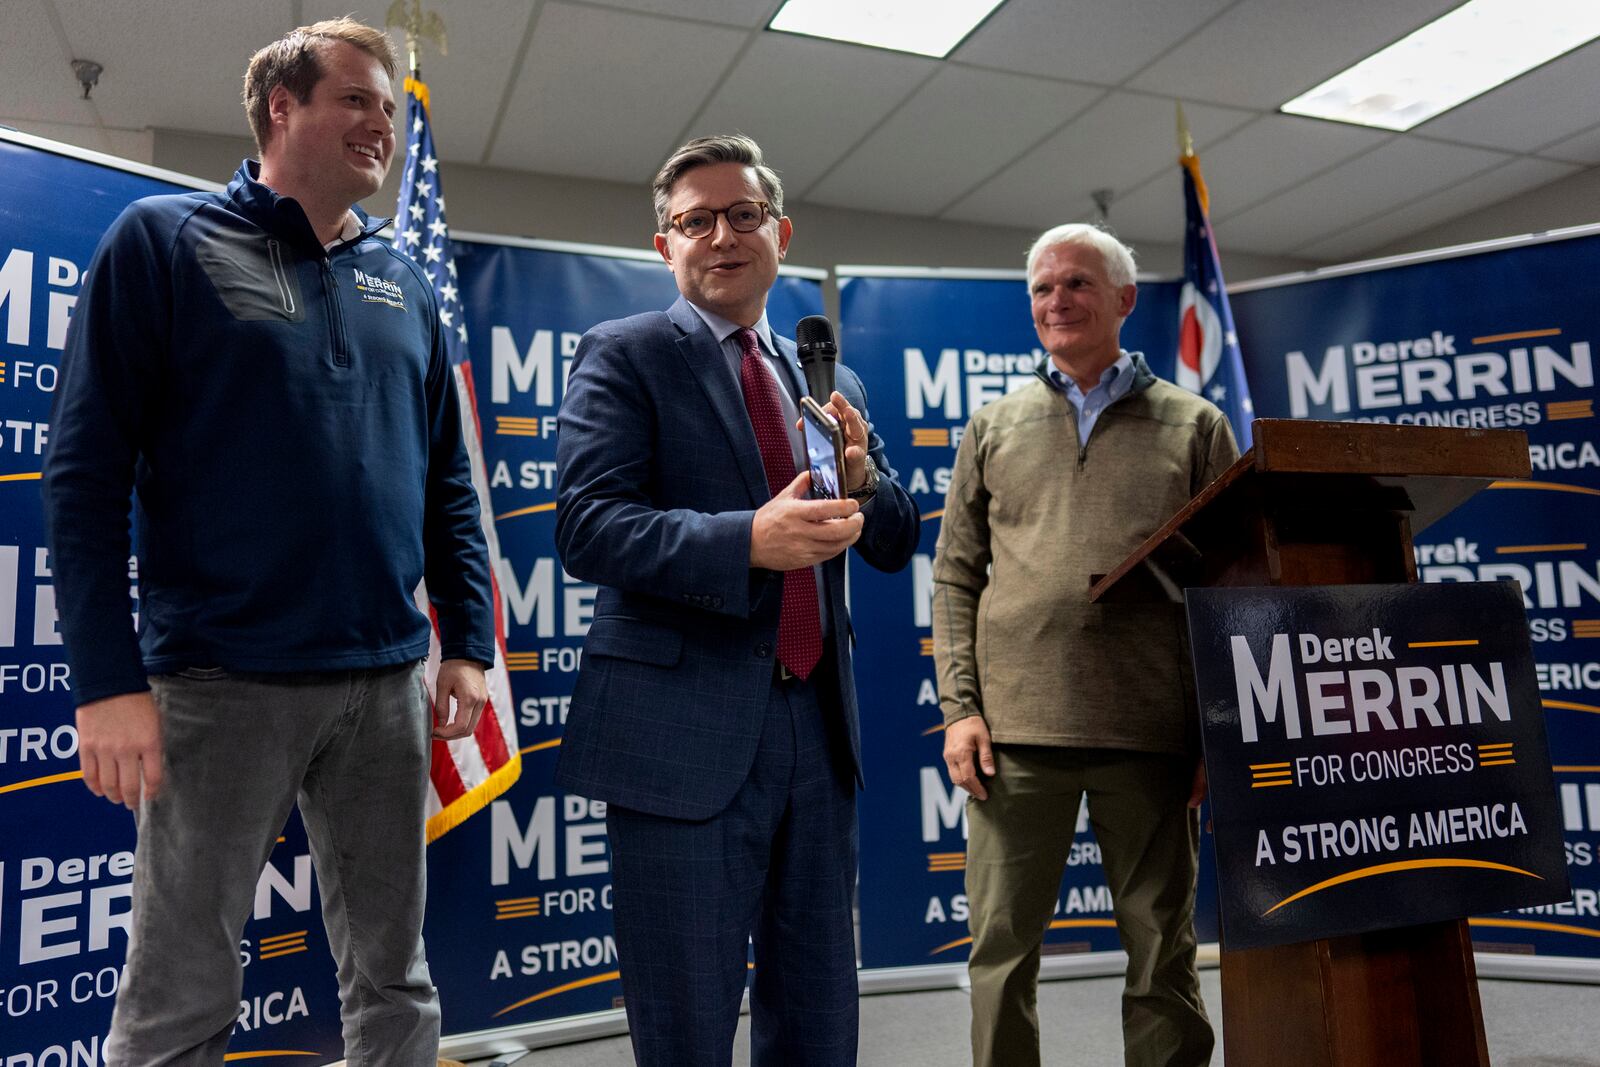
(1152, 213)
(1399, 173)
(172, 63)
(808, 101)
(1119, 143)
(466, 85)
(728, 12)
(1261, 159)
(38, 83)
(1082, 40)
(1474, 194)
(1584, 148)
(1274, 153)
(1261, 53)
(907, 165)
(1545, 105)
(599, 95)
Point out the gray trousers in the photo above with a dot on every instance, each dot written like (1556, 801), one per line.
(239, 750)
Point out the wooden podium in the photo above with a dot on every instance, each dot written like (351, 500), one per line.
(1324, 503)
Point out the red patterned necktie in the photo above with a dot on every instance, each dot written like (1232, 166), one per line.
(799, 625)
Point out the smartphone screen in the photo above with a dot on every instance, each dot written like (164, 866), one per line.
(824, 450)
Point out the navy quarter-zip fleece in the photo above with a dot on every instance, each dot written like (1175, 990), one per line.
(287, 422)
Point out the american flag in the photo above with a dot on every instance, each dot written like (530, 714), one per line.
(469, 773)
(1209, 361)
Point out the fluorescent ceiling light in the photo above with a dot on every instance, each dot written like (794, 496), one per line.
(923, 27)
(1479, 45)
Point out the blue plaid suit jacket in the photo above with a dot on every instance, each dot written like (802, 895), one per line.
(659, 476)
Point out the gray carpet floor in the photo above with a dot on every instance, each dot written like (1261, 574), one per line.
(1529, 1024)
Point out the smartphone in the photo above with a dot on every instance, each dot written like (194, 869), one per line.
(824, 450)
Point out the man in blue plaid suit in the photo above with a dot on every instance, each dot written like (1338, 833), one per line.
(715, 711)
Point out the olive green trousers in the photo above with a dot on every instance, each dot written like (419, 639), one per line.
(1017, 847)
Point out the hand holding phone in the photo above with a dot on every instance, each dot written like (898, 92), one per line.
(824, 450)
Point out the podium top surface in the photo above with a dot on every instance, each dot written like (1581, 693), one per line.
(1300, 446)
(1426, 471)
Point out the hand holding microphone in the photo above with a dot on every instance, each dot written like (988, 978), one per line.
(813, 336)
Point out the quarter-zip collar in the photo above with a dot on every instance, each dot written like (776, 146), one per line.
(283, 216)
(1143, 378)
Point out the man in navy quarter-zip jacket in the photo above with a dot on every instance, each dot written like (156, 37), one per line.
(268, 381)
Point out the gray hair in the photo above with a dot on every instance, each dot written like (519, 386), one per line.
(705, 151)
(1118, 257)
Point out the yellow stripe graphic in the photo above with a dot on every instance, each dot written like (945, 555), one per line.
(928, 516)
(275, 953)
(1268, 766)
(1554, 487)
(518, 513)
(49, 779)
(35, 476)
(267, 1052)
(1441, 644)
(540, 747)
(609, 976)
(276, 939)
(1520, 335)
(1567, 705)
(1392, 868)
(1507, 550)
(1530, 924)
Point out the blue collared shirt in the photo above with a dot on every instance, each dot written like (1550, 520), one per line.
(1115, 381)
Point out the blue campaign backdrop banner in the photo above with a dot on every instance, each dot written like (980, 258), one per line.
(932, 349)
(519, 927)
(1497, 338)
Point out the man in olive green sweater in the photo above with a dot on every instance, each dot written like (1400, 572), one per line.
(1046, 696)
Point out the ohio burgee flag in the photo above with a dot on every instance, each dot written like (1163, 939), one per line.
(1209, 361)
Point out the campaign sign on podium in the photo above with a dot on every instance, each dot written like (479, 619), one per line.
(1376, 756)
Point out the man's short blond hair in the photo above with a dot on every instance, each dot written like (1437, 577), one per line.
(293, 61)
(1120, 269)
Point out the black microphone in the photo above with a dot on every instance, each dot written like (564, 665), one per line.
(813, 335)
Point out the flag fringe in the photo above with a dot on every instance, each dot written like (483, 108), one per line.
(475, 799)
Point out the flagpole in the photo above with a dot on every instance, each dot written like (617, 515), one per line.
(466, 774)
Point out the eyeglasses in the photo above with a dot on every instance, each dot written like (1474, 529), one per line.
(743, 217)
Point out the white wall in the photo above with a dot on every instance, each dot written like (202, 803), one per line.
(1571, 201)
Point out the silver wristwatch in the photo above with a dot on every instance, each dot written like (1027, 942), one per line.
(869, 488)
